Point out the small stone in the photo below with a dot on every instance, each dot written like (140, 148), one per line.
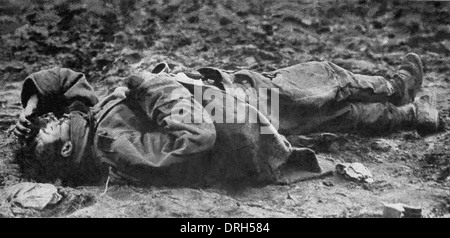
(411, 135)
(393, 210)
(360, 28)
(328, 183)
(133, 56)
(355, 171)
(250, 60)
(33, 195)
(412, 212)
(382, 145)
(446, 45)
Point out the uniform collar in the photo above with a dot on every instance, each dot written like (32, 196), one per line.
(82, 131)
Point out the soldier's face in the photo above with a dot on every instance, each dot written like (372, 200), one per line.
(56, 132)
(52, 132)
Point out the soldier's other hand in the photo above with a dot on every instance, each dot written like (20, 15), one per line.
(122, 92)
(23, 126)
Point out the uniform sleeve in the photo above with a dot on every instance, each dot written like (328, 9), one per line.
(174, 108)
(57, 89)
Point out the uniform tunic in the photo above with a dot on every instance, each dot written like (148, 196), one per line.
(133, 132)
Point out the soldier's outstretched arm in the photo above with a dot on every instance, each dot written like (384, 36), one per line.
(54, 90)
(57, 88)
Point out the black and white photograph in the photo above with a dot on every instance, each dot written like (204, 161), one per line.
(224, 109)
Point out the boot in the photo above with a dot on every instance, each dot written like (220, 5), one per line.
(427, 117)
(304, 159)
(409, 78)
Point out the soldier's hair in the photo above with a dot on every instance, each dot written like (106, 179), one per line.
(46, 165)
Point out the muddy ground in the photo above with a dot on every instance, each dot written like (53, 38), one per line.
(109, 39)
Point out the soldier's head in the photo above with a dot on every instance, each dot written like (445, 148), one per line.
(53, 137)
(48, 152)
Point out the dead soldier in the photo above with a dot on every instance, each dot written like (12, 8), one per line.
(133, 134)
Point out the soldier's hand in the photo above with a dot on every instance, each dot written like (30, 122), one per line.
(121, 92)
(23, 126)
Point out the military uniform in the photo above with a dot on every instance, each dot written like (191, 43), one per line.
(135, 136)
(323, 97)
(132, 132)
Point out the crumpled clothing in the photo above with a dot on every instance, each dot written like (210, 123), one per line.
(32, 195)
(355, 171)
